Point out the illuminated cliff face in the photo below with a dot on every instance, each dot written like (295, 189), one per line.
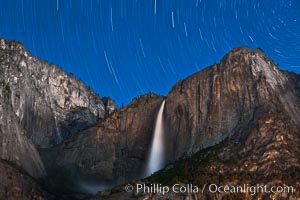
(199, 112)
(241, 98)
(40, 106)
(40, 92)
(232, 123)
(207, 107)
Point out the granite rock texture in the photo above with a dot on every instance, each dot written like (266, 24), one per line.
(233, 121)
(18, 185)
(115, 150)
(236, 122)
(207, 107)
(49, 104)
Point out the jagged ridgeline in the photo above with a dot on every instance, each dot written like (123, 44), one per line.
(234, 121)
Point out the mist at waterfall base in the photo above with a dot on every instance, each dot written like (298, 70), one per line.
(156, 158)
(93, 187)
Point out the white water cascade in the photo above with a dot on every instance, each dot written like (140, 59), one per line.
(156, 158)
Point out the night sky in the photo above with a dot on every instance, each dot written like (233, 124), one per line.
(126, 48)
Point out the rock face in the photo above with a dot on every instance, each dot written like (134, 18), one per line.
(113, 151)
(109, 105)
(232, 123)
(14, 145)
(15, 184)
(49, 104)
(225, 100)
(263, 152)
(211, 105)
(40, 105)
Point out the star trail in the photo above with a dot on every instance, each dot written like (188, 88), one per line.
(123, 49)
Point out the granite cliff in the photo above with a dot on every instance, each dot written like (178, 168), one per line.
(111, 152)
(49, 104)
(211, 105)
(40, 106)
(233, 121)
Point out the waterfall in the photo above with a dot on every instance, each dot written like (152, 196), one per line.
(156, 158)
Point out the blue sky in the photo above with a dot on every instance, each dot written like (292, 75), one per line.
(123, 49)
